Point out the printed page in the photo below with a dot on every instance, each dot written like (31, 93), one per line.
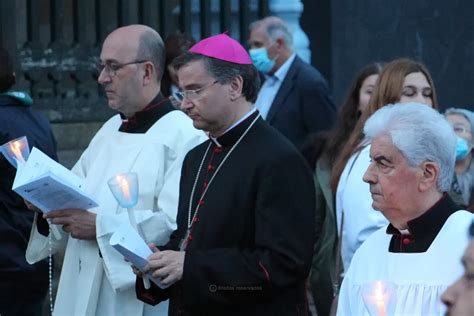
(128, 242)
(49, 193)
(38, 164)
(50, 186)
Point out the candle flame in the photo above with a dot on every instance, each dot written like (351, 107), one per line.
(378, 292)
(379, 298)
(124, 186)
(15, 147)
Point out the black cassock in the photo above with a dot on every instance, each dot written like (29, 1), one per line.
(250, 245)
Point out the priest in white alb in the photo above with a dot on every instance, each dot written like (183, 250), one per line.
(148, 137)
(403, 269)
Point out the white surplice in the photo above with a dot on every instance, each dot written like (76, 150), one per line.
(95, 279)
(418, 279)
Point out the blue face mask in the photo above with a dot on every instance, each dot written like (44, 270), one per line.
(462, 149)
(261, 60)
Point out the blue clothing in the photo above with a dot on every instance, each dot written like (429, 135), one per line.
(18, 119)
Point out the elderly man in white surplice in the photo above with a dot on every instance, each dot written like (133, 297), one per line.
(148, 137)
(403, 269)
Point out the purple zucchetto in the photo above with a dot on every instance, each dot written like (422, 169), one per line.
(222, 47)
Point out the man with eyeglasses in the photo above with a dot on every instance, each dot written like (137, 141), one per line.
(244, 240)
(148, 137)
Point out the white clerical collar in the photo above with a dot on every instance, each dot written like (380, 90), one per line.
(404, 232)
(214, 139)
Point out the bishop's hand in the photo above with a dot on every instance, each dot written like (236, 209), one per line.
(166, 265)
(137, 271)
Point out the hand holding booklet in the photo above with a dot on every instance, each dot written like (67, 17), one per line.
(128, 242)
(50, 186)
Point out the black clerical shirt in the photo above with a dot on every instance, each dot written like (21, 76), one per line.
(141, 121)
(423, 229)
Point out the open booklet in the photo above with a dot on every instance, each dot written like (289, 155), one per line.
(128, 242)
(50, 186)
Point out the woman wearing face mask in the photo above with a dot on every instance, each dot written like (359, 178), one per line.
(402, 80)
(463, 183)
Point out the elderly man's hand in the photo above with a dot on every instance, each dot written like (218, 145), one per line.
(79, 223)
(166, 265)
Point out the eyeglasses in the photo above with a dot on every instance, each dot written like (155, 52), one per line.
(192, 94)
(112, 67)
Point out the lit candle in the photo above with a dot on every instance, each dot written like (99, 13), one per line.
(379, 298)
(15, 147)
(124, 187)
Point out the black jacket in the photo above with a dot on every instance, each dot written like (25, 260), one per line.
(18, 119)
(302, 105)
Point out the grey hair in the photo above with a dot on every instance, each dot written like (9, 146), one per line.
(275, 28)
(420, 133)
(469, 115)
(152, 48)
(464, 179)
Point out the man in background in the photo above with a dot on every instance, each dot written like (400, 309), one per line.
(18, 119)
(294, 97)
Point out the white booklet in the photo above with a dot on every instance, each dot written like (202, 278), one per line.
(50, 186)
(128, 242)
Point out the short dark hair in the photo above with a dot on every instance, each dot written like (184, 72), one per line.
(176, 44)
(225, 71)
(7, 79)
(152, 48)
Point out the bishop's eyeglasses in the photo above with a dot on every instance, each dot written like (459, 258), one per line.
(193, 94)
(111, 68)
